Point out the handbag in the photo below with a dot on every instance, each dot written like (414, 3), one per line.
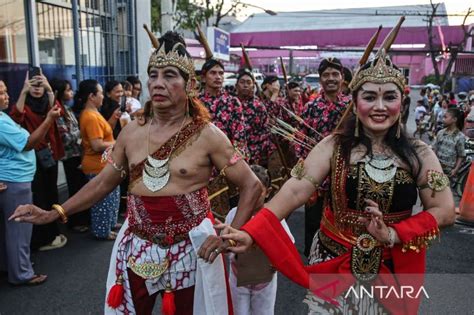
(253, 268)
(45, 158)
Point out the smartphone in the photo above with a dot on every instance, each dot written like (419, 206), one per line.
(33, 72)
(123, 104)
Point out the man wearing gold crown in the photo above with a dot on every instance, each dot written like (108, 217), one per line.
(169, 156)
(369, 235)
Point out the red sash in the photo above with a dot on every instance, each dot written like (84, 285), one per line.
(267, 232)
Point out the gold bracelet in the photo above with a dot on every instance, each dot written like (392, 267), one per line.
(62, 213)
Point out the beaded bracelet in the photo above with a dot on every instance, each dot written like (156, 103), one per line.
(391, 238)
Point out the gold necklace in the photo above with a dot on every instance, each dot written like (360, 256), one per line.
(156, 172)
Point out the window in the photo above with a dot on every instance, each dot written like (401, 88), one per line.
(55, 35)
(13, 41)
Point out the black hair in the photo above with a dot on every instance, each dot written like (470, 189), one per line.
(456, 113)
(293, 85)
(109, 106)
(211, 63)
(262, 174)
(86, 88)
(403, 147)
(330, 63)
(347, 74)
(245, 71)
(127, 86)
(109, 86)
(59, 88)
(269, 80)
(134, 80)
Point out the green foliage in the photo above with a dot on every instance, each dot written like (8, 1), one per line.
(431, 79)
(445, 83)
(155, 15)
(189, 13)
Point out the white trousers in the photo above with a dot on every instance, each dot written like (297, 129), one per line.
(248, 301)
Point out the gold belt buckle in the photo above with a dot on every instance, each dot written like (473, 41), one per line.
(148, 270)
(366, 258)
(366, 242)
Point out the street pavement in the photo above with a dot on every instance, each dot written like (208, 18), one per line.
(77, 275)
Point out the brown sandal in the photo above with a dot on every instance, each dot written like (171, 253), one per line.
(36, 280)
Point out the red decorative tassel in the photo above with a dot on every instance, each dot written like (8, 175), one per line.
(168, 307)
(115, 297)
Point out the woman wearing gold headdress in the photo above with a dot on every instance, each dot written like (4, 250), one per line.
(369, 236)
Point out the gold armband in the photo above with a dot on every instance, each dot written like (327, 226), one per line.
(237, 156)
(299, 172)
(107, 157)
(437, 182)
(61, 211)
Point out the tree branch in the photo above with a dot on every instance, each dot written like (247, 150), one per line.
(430, 40)
(456, 49)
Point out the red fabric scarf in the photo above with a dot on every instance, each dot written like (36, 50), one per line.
(267, 232)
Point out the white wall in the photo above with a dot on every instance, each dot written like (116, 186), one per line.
(144, 47)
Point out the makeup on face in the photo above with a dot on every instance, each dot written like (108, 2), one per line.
(166, 86)
(378, 105)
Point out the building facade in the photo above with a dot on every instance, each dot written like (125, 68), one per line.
(307, 37)
(73, 40)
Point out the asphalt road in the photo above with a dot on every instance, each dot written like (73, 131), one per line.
(77, 275)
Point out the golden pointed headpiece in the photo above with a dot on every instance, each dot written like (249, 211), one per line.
(170, 51)
(381, 69)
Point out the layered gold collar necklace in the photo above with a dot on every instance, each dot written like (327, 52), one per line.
(156, 172)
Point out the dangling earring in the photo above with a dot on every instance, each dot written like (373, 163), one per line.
(399, 128)
(191, 94)
(190, 91)
(356, 133)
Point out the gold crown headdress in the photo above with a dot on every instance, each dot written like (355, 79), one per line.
(160, 58)
(381, 69)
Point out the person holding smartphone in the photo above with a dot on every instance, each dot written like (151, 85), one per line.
(30, 111)
(17, 169)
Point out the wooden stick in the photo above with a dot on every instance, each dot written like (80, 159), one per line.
(246, 57)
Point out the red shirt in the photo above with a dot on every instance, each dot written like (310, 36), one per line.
(31, 121)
